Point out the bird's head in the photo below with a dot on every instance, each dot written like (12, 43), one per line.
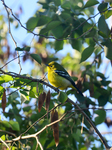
(52, 66)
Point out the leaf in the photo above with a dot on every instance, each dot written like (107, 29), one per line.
(108, 48)
(101, 116)
(32, 23)
(66, 18)
(7, 78)
(41, 100)
(14, 125)
(58, 31)
(50, 26)
(87, 53)
(48, 96)
(58, 45)
(43, 20)
(27, 48)
(23, 98)
(103, 99)
(62, 97)
(90, 3)
(108, 14)
(4, 101)
(36, 57)
(102, 6)
(66, 5)
(76, 44)
(19, 49)
(102, 25)
(5, 123)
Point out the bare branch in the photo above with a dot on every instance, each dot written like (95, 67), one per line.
(37, 133)
(5, 143)
(38, 143)
(6, 8)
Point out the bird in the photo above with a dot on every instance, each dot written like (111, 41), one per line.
(60, 78)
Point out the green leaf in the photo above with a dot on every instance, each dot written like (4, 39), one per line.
(76, 44)
(50, 26)
(77, 135)
(90, 3)
(14, 125)
(5, 123)
(66, 5)
(43, 20)
(57, 2)
(102, 25)
(14, 95)
(7, 78)
(101, 116)
(102, 7)
(23, 98)
(59, 45)
(32, 23)
(87, 53)
(108, 14)
(108, 48)
(103, 99)
(19, 49)
(62, 97)
(36, 57)
(65, 18)
(58, 31)
(27, 48)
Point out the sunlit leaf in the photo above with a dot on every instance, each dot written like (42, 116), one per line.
(15, 126)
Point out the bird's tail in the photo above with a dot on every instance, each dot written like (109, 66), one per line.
(73, 83)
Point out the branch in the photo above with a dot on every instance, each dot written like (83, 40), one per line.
(37, 133)
(40, 119)
(6, 8)
(91, 123)
(69, 100)
(5, 143)
(38, 142)
(13, 74)
(11, 61)
(52, 37)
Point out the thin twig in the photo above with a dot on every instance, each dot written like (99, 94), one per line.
(82, 124)
(6, 8)
(37, 133)
(38, 143)
(91, 123)
(10, 61)
(5, 143)
(40, 119)
(52, 37)
(13, 74)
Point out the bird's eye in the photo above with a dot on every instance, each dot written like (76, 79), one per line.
(51, 66)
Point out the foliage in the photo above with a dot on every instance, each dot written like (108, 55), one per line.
(59, 22)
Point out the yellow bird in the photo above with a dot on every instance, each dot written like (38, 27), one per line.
(59, 77)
